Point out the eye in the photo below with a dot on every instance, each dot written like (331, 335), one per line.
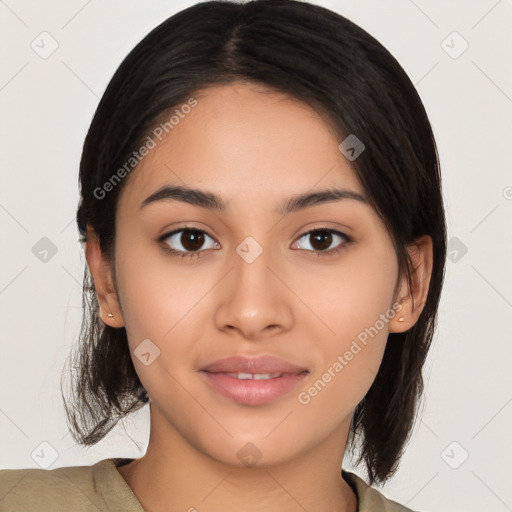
(323, 238)
(187, 240)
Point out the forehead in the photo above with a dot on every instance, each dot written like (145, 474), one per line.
(244, 141)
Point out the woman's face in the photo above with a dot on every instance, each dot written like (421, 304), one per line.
(257, 283)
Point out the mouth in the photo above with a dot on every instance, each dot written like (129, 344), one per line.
(253, 381)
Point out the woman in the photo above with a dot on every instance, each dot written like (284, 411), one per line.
(265, 239)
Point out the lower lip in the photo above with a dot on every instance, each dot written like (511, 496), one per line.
(253, 392)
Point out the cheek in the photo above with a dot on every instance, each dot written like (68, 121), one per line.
(349, 297)
(155, 295)
(350, 355)
(354, 308)
(161, 302)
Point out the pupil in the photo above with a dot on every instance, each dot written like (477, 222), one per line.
(322, 236)
(196, 237)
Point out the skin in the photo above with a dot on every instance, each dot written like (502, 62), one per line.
(255, 148)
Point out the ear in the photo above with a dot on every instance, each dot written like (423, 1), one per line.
(101, 273)
(421, 253)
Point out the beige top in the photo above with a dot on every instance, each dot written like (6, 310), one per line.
(100, 487)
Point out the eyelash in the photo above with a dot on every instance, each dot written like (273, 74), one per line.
(192, 254)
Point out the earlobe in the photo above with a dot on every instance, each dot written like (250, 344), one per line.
(101, 272)
(413, 301)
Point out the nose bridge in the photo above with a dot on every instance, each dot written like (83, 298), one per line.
(252, 260)
(252, 299)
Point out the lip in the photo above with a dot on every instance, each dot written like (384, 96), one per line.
(250, 391)
(260, 364)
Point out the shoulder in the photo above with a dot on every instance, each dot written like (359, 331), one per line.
(99, 487)
(41, 489)
(370, 499)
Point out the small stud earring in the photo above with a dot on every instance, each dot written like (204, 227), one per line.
(110, 315)
(401, 319)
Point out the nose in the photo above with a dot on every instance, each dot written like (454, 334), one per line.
(254, 300)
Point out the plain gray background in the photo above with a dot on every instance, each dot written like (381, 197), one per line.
(459, 458)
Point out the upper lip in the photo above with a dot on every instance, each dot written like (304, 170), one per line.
(260, 364)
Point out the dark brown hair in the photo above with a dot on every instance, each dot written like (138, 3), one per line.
(328, 62)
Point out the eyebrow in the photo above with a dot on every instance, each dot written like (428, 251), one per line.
(211, 201)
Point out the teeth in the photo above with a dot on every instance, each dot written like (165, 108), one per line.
(242, 376)
(255, 376)
(263, 376)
